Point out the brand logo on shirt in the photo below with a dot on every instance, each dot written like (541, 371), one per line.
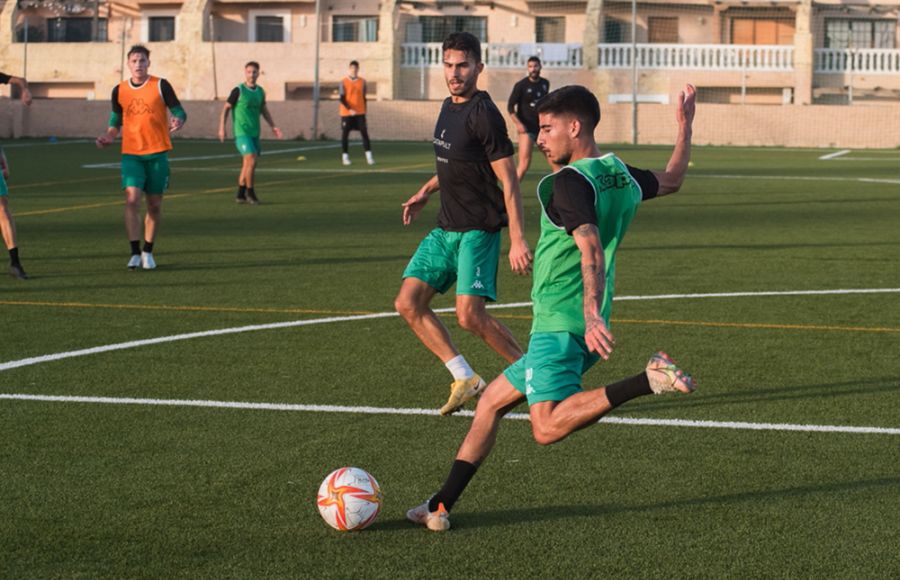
(139, 107)
(439, 141)
(614, 180)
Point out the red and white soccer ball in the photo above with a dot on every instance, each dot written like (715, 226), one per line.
(349, 499)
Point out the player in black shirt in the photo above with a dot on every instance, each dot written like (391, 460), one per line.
(472, 151)
(522, 107)
(7, 225)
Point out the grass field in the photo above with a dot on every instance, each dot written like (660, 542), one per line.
(141, 490)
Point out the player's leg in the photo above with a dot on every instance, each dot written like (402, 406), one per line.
(241, 143)
(157, 183)
(554, 420)
(250, 177)
(413, 304)
(367, 145)
(8, 228)
(526, 142)
(345, 140)
(479, 253)
(133, 196)
(498, 399)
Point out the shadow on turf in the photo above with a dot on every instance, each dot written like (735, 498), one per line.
(755, 395)
(498, 518)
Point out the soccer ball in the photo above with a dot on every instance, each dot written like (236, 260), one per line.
(349, 499)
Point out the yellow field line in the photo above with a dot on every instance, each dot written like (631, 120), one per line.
(163, 307)
(64, 182)
(182, 308)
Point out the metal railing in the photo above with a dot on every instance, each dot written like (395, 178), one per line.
(497, 55)
(858, 60)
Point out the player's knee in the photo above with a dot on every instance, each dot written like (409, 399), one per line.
(544, 434)
(470, 320)
(404, 305)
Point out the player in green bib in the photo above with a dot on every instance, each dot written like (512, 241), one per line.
(247, 102)
(587, 206)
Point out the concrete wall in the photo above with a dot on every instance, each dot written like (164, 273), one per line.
(875, 126)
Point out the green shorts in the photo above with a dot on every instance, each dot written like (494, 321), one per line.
(149, 173)
(4, 191)
(247, 145)
(467, 258)
(552, 368)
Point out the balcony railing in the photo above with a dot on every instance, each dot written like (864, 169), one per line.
(496, 55)
(614, 56)
(857, 60)
(755, 57)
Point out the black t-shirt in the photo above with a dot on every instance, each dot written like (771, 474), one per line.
(168, 95)
(467, 138)
(572, 202)
(524, 99)
(4, 78)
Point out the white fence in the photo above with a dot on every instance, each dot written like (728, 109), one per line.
(553, 55)
(649, 56)
(861, 60)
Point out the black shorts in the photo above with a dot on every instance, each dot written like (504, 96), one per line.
(353, 123)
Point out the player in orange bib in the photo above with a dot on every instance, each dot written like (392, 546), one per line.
(139, 111)
(353, 112)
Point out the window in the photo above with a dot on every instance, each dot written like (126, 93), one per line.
(74, 29)
(269, 26)
(614, 30)
(161, 28)
(860, 33)
(550, 29)
(436, 28)
(662, 29)
(762, 31)
(354, 29)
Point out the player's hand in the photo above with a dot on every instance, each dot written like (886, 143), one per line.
(104, 140)
(520, 258)
(598, 337)
(26, 97)
(278, 133)
(353, 112)
(175, 124)
(413, 206)
(687, 106)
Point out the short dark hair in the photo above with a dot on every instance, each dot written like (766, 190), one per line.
(534, 59)
(572, 100)
(252, 63)
(140, 49)
(465, 42)
(354, 63)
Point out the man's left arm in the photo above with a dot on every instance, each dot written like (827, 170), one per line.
(268, 117)
(597, 335)
(179, 115)
(520, 257)
(19, 82)
(671, 179)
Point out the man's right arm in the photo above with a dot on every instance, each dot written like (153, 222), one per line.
(671, 179)
(20, 82)
(115, 121)
(512, 105)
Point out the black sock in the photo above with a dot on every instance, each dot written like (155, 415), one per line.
(148, 247)
(251, 191)
(460, 475)
(242, 191)
(14, 257)
(627, 389)
(135, 247)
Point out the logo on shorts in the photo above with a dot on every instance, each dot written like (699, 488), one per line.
(478, 285)
(478, 270)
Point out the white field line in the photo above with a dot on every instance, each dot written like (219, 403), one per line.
(14, 364)
(116, 165)
(834, 155)
(796, 178)
(434, 412)
(48, 144)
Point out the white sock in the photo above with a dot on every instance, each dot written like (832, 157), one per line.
(459, 368)
(369, 157)
(345, 156)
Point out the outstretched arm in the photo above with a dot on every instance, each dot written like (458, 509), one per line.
(593, 273)
(520, 256)
(671, 179)
(24, 93)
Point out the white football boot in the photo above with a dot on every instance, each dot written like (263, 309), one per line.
(437, 521)
(665, 376)
(134, 262)
(147, 261)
